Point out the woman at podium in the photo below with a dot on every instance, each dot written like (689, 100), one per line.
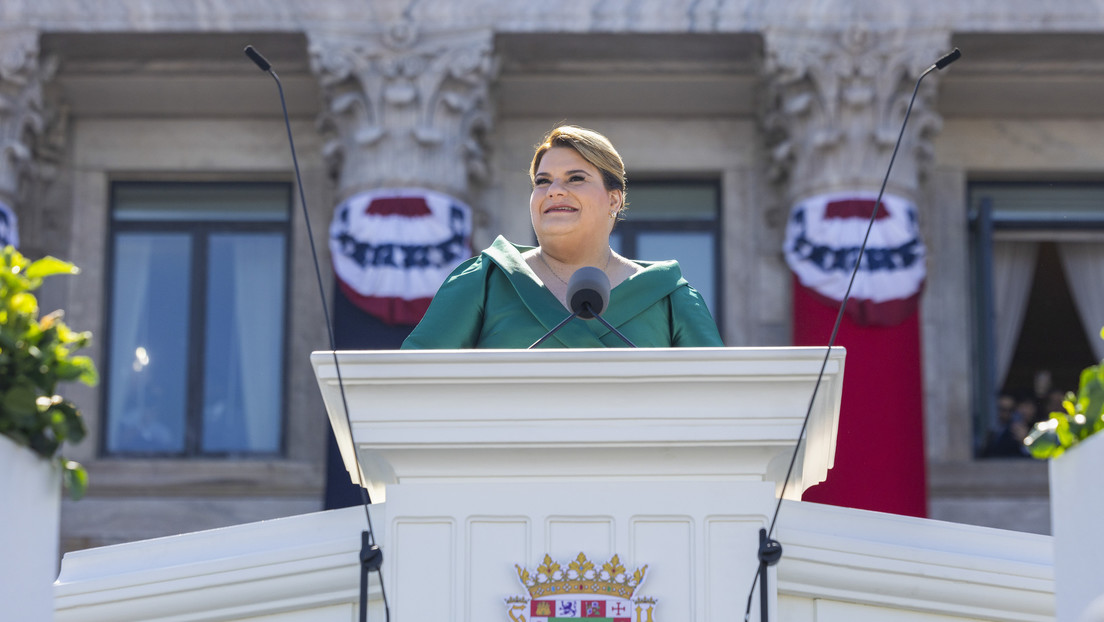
(510, 296)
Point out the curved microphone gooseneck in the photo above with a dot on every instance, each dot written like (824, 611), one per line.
(371, 557)
(588, 292)
(770, 551)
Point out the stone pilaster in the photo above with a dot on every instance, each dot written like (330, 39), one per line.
(836, 100)
(405, 107)
(24, 123)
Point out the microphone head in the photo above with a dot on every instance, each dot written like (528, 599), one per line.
(588, 292)
(256, 57)
(948, 58)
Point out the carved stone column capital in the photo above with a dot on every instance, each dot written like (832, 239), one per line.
(836, 100)
(405, 107)
(24, 123)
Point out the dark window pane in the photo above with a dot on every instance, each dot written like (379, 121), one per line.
(244, 353)
(695, 253)
(672, 201)
(1045, 205)
(195, 202)
(149, 343)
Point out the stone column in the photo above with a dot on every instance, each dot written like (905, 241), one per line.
(836, 101)
(406, 107)
(405, 118)
(24, 156)
(406, 113)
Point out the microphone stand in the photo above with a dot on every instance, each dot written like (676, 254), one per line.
(587, 294)
(586, 307)
(584, 310)
(770, 550)
(555, 328)
(371, 557)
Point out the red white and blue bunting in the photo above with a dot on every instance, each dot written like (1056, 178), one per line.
(879, 462)
(393, 247)
(823, 238)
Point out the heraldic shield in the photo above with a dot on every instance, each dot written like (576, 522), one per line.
(581, 590)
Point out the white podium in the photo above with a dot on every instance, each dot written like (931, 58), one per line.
(497, 464)
(503, 466)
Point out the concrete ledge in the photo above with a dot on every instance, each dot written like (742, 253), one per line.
(307, 562)
(922, 565)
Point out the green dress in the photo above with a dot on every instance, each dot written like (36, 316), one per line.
(496, 301)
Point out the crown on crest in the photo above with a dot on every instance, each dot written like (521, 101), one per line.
(581, 577)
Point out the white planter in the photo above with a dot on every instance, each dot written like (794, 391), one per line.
(30, 504)
(1076, 514)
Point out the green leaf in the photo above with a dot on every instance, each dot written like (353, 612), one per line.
(1065, 435)
(1042, 442)
(49, 266)
(87, 368)
(75, 478)
(35, 355)
(66, 370)
(1079, 427)
(24, 303)
(68, 423)
(44, 445)
(1091, 393)
(20, 400)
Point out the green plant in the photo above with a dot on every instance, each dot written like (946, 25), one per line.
(1082, 416)
(35, 356)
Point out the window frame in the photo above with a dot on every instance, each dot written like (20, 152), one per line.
(199, 233)
(984, 228)
(715, 227)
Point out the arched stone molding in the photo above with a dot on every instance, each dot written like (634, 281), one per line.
(406, 108)
(834, 105)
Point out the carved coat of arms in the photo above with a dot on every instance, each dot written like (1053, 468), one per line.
(581, 590)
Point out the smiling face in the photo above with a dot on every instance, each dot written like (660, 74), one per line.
(570, 201)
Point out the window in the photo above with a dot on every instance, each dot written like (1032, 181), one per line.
(196, 322)
(676, 220)
(1038, 262)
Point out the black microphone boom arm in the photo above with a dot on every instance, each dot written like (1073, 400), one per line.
(371, 557)
(588, 293)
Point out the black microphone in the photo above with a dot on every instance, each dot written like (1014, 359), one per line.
(256, 57)
(371, 557)
(948, 58)
(770, 551)
(588, 292)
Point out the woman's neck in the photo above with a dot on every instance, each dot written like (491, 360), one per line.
(572, 256)
(555, 272)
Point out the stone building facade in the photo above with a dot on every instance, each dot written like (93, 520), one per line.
(768, 102)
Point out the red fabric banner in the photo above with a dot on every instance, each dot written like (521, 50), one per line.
(880, 450)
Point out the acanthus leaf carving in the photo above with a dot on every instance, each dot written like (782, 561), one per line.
(30, 135)
(835, 105)
(405, 107)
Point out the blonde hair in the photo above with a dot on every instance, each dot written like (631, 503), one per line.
(592, 147)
